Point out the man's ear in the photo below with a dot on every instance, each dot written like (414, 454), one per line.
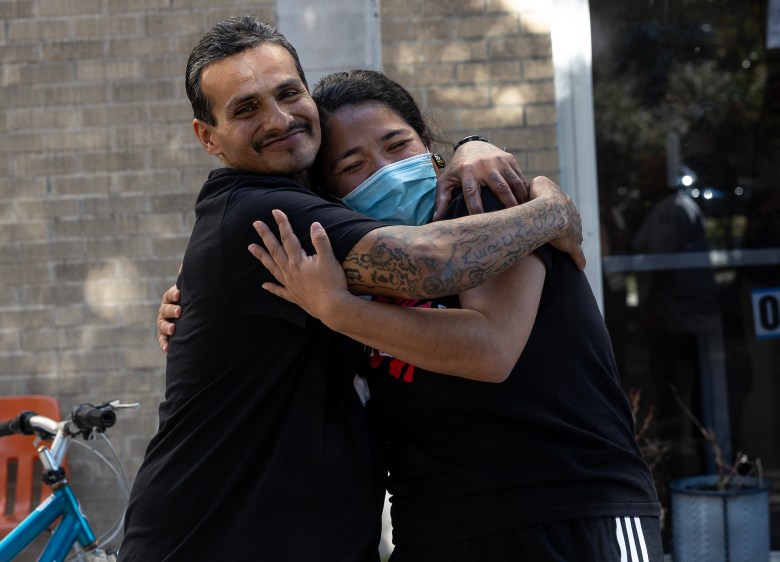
(203, 132)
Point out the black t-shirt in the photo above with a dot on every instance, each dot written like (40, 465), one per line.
(554, 441)
(264, 451)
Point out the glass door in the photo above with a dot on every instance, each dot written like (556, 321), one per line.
(687, 121)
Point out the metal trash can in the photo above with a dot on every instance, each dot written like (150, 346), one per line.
(711, 525)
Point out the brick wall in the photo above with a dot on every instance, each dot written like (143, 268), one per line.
(479, 66)
(99, 170)
(98, 174)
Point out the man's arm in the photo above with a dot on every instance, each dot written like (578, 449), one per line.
(452, 256)
(449, 257)
(496, 317)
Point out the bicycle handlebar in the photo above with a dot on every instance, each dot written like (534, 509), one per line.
(19, 424)
(84, 418)
(87, 416)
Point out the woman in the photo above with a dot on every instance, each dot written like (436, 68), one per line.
(543, 466)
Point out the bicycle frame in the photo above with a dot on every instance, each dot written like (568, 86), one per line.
(73, 527)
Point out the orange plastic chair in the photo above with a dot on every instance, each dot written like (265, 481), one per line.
(21, 489)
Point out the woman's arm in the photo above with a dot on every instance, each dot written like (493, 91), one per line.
(481, 341)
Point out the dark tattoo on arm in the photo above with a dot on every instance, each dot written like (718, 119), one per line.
(448, 257)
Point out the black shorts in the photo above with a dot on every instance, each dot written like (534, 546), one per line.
(606, 539)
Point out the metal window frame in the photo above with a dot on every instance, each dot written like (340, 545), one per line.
(572, 62)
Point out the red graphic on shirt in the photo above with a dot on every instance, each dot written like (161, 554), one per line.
(395, 367)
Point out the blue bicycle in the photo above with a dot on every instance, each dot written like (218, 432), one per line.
(73, 531)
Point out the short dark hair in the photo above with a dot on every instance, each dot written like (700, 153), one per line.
(226, 38)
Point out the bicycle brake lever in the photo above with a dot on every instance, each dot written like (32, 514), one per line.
(115, 404)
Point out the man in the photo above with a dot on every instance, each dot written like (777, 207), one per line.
(264, 450)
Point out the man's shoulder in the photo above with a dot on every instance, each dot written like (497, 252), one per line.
(229, 192)
(228, 179)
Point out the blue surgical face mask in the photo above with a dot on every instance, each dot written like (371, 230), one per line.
(401, 193)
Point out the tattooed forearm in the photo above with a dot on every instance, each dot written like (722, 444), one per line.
(448, 257)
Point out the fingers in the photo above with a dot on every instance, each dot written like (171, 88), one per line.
(275, 289)
(265, 233)
(444, 187)
(500, 183)
(574, 232)
(579, 257)
(290, 242)
(281, 257)
(572, 240)
(274, 256)
(542, 185)
(476, 165)
(169, 310)
(268, 261)
(320, 241)
(500, 173)
(575, 220)
(472, 195)
(571, 244)
(268, 255)
(171, 296)
(162, 341)
(518, 184)
(285, 260)
(165, 330)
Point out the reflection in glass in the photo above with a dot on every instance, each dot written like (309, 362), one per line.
(687, 110)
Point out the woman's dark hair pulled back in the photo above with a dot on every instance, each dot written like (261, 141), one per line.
(354, 87)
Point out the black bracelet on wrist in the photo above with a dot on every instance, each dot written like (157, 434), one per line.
(469, 139)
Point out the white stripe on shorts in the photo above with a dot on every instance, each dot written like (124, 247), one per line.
(622, 533)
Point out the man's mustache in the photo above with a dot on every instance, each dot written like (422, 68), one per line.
(296, 127)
